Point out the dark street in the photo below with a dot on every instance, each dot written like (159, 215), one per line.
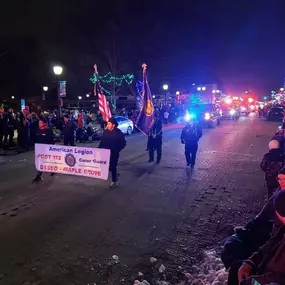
(66, 229)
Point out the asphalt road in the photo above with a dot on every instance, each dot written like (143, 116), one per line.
(66, 229)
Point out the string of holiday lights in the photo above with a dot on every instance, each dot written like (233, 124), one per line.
(109, 78)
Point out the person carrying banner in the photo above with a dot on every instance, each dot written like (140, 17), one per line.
(114, 140)
(154, 141)
(44, 136)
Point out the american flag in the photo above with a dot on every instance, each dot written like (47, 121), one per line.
(103, 103)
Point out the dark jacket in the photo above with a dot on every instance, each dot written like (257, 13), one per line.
(191, 135)
(45, 136)
(249, 239)
(271, 163)
(155, 136)
(113, 140)
(68, 129)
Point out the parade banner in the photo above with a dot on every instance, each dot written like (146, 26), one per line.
(81, 161)
(62, 89)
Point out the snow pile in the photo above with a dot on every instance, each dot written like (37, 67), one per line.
(210, 272)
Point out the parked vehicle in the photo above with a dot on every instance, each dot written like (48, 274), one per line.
(125, 125)
(275, 114)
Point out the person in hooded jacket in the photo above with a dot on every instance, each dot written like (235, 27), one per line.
(114, 140)
(44, 136)
(271, 164)
(190, 136)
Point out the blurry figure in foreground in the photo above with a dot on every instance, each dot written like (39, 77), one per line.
(114, 140)
(267, 265)
(190, 136)
(271, 164)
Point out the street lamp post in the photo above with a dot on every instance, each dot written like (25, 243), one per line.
(45, 89)
(165, 88)
(57, 70)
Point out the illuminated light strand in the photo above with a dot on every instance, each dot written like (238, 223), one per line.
(109, 78)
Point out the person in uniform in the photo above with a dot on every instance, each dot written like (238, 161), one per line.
(190, 137)
(154, 142)
(69, 128)
(114, 140)
(44, 136)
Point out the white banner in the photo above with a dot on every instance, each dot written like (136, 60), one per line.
(81, 161)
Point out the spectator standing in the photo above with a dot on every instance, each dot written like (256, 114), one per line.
(271, 164)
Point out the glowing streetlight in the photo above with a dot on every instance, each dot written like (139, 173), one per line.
(57, 70)
(282, 89)
(214, 91)
(199, 88)
(12, 97)
(79, 97)
(87, 95)
(165, 87)
(193, 84)
(45, 88)
(217, 91)
(177, 92)
(203, 88)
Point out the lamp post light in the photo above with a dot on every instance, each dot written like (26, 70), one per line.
(203, 88)
(57, 70)
(87, 95)
(199, 88)
(177, 93)
(282, 89)
(45, 89)
(13, 97)
(165, 88)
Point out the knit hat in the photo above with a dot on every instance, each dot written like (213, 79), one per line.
(113, 121)
(274, 144)
(279, 203)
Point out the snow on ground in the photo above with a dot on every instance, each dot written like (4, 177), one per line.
(210, 271)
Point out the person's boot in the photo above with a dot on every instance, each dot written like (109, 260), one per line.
(113, 185)
(37, 179)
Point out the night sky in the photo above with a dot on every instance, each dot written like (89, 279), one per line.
(238, 44)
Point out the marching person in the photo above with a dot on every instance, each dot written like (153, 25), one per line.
(154, 141)
(114, 140)
(69, 128)
(45, 136)
(190, 136)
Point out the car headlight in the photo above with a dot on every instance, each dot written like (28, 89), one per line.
(232, 112)
(207, 116)
(188, 117)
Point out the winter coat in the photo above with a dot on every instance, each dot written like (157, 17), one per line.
(45, 136)
(69, 129)
(155, 136)
(191, 135)
(249, 239)
(269, 261)
(113, 140)
(271, 164)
